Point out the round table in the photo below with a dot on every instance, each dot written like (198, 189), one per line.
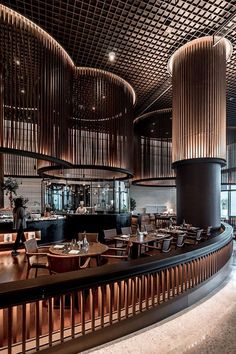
(95, 249)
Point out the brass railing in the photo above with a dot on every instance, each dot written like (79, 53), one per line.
(42, 312)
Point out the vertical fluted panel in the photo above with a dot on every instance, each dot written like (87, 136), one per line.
(102, 120)
(153, 149)
(199, 103)
(16, 165)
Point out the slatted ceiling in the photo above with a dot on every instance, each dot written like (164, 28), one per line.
(143, 34)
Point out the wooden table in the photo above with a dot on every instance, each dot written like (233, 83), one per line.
(173, 232)
(139, 241)
(95, 249)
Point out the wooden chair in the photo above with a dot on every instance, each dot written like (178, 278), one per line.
(165, 247)
(115, 254)
(91, 236)
(36, 256)
(126, 230)
(194, 239)
(62, 264)
(109, 236)
(148, 227)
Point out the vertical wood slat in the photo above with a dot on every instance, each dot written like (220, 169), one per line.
(72, 314)
(163, 285)
(92, 308)
(9, 329)
(62, 317)
(37, 325)
(82, 310)
(50, 320)
(2, 327)
(24, 332)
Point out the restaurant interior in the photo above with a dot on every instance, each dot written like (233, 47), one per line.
(118, 136)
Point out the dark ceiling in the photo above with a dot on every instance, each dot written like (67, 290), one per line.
(143, 35)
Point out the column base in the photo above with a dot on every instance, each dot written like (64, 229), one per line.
(198, 183)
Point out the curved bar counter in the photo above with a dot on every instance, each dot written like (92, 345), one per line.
(117, 298)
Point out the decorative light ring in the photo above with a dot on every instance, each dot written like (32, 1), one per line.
(84, 173)
(153, 150)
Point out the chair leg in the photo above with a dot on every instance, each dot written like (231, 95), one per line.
(28, 271)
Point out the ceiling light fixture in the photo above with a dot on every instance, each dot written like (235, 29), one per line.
(112, 56)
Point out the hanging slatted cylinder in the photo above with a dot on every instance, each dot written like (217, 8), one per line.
(101, 128)
(36, 77)
(153, 149)
(199, 77)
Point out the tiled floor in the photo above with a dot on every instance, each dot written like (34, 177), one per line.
(207, 327)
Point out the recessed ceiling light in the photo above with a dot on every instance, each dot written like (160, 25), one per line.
(152, 131)
(154, 123)
(104, 97)
(112, 56)
(22, 91)
(93, 108)
(17, 62)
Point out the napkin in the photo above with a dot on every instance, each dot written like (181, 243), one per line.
(74, 252)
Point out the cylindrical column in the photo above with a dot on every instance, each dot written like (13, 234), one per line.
(199, 128)
(198, 193)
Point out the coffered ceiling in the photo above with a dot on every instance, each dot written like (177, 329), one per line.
(142, 34)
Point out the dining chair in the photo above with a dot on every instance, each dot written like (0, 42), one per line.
(148, 227)
(36, 256)
(194, 239)
(62, 264)
(179, 243)
(207, 233)
(165, 247)
(115, 254)
(91, 236)
(126, 230)
(109, 235)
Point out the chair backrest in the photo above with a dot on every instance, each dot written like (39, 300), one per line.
(148, 227)
(126, 230)
(199, 235)
(91, 236)
(180, 240)
(62, 264)
(166, 245)
(109, 234)
(208, 232)
(31, 246)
